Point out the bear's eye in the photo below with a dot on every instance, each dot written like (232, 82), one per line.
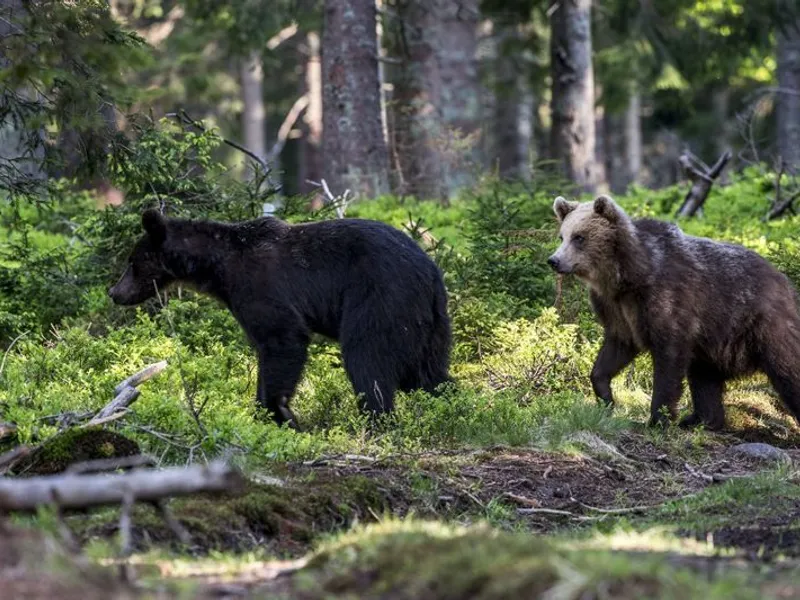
(577, 240)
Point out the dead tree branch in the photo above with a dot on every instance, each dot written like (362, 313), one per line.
(339, 203)
(702, 178)
(85, 491)
(126, 393)
(283, 35)
(286, 127)
(781, 204)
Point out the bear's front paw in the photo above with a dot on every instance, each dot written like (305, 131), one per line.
(659, 420)
(694, 420)
(690, 421)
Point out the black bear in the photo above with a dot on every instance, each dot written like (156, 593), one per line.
(360, 282)
(708, 310)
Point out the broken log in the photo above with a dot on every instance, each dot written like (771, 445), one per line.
(72, 491)
(702, 178)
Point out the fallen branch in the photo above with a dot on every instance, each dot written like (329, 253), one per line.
(697, 473)
(84, 491)
(780, 204)
(126, 393)
(702, 178)
(530, 502)
(12, 456)
(550, 511)
(145, 374)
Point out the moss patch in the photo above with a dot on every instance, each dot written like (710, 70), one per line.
(283, 520)
(75, 446)
(426, 561)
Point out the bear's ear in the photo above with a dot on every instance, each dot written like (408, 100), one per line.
(562, 208)
(607, 208)
(155, 225)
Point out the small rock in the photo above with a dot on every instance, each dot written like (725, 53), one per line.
(761, 451)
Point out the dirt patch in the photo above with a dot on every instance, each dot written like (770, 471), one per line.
(764, 539)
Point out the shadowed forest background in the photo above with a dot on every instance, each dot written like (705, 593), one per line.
(458, 122)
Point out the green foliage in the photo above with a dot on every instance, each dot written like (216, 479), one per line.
(75, 57)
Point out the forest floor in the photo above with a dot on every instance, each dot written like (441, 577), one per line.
(688, 514)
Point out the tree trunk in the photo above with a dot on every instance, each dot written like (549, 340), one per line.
(615, 158)
(572, 136)
(512, 108)
(788, 104)
(600, 147)
(354, 148)
(437, 97)
(623, 146)
(310, 168)
(633, 137)
(254, 120)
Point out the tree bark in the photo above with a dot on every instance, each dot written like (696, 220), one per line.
(84, 491)
(512, 108)
(309, 167)
(633, 137)
(572, 136)
(788, 101)
(623, 146)
(437, 97)
(254, 118)
(354, 148)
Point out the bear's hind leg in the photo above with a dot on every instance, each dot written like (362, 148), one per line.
(279, 370)
(371, 370)
(786, 382)
(707, 386)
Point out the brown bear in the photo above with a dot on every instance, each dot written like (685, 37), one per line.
(704, 309)
(363, 283)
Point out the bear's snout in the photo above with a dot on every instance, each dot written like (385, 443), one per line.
(554, 263)
(113, 293)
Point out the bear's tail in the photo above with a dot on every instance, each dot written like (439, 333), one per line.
(436, 359)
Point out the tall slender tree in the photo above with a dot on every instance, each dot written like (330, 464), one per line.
(436, 99)
(354, 148)
(572, 135)
(788, 105)
(253, 113)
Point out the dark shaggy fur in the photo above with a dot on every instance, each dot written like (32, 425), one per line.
(360, 282)
(707, 310)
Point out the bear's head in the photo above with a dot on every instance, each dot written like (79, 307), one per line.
(589, 235)
(146, 272)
